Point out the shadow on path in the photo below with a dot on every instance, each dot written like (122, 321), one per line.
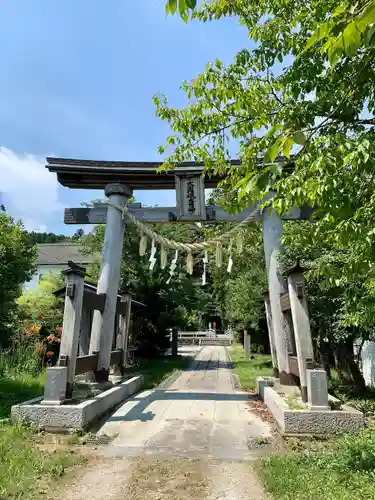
(138, 411)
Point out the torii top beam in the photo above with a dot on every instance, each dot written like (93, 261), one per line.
(92, 174)
(188, 179)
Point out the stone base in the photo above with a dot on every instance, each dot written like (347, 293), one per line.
(319, 408)
(307, 421)
(74, 416)
(98, 386)
(289, 390)
(52, 403)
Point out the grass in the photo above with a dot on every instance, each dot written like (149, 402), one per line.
(248, 370)
(336, 468)
(333, 469)
(18, 387)
(157, 370)
(293, 403)
(344, 469)
(26, 471)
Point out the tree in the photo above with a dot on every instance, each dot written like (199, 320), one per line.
(306, 91)
(17, 265)
(336, 322)
(37, 238)
(239, 294)
(78, 234)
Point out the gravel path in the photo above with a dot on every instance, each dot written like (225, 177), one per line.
(190, 440)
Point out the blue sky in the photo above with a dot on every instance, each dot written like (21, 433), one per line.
(77, 80)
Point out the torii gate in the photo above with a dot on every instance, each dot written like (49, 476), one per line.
(118, 179)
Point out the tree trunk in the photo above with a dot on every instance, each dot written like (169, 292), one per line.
(324, 353)
(347, 367)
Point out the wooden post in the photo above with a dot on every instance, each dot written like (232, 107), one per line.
(272, 231)
(301, 324)
(123, 335)
(247, 344)
(84, 342)
(127, 327)
(102, 328)
(84, 337)
(72, 322)
(271, 334)
(174, 346)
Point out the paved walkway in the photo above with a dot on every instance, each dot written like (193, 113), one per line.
(190, 440)
(200, 415)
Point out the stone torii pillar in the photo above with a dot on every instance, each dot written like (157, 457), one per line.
(271, 334)
(272, 232)
(109, 279)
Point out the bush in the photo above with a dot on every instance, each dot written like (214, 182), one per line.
(39, 306)
(366, 406)
(20, 359)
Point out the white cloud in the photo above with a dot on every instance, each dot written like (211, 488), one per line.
(29, 190)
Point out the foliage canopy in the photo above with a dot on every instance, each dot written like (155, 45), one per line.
(299, 110)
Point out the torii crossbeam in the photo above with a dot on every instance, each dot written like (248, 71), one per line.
(90, 174)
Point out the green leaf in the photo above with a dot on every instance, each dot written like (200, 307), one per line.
(351, 39)
(299, 137)
(171, 7)
(261, 180)
(340, 9)
(218, 64)
(334, 52)
(191, 3)
(369, 34)
(287, 147)
(276, 169)
(182, 8)
(366, 17)
(321, 32)
(274, 149)
(275, 128)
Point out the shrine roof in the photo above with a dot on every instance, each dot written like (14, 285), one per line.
(93, 174)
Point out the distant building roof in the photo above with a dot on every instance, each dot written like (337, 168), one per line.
(61, 253)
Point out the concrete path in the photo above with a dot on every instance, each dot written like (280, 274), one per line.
(192, 440)
(200, 415)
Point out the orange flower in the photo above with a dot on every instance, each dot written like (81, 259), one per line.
(53, 339)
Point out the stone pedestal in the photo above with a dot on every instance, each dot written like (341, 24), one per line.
(317, 390)
(55, 387)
